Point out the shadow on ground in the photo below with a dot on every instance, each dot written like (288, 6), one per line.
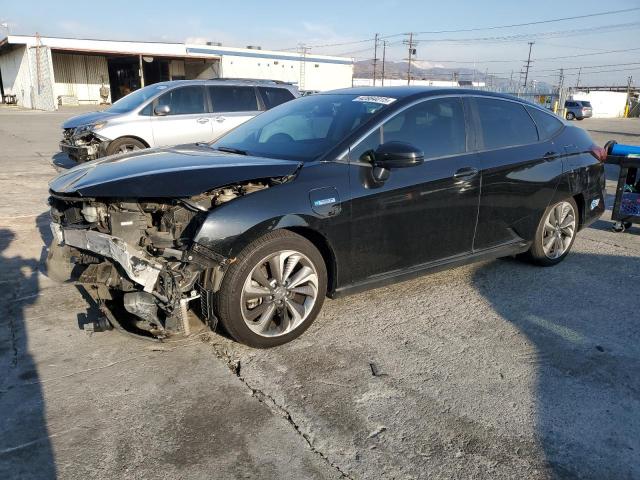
(61, 161)
(588, 388)
(25, 447)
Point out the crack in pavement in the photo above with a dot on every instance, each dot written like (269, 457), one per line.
(267, 400)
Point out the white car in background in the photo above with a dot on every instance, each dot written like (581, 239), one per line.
(171, 113)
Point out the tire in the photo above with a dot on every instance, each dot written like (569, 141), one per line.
(570, 116)
(277, 324)
(124, 145)
(579, 118)
(538, 253)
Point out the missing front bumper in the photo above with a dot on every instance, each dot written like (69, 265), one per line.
(137, 268)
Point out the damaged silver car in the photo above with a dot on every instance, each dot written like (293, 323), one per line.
(170, 113)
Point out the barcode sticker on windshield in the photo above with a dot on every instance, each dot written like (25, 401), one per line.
(375, 99)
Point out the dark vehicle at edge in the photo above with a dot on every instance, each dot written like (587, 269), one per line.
(322, 196)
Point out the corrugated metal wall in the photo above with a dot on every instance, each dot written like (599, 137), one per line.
(80, 76)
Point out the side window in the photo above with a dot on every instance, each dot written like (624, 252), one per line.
(437, 127)
(233, 99)
(184, 100)
(548, 124)
(275, 96)
(504, 123)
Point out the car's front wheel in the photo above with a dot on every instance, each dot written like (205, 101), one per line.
(555, 234)
(273, 291)
(124, 145)
(570, 116)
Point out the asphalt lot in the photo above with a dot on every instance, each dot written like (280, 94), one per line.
(498, 370)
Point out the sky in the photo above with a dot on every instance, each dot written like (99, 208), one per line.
(285, 24)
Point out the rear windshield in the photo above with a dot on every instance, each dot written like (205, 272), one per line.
(585, 103)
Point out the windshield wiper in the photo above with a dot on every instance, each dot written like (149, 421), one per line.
(232, 150)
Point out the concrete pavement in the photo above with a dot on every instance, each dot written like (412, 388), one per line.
(497, 370)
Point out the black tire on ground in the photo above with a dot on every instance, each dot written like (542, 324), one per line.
(570, 116)
(124, 144)
(536, 253)
(228, 298)
(579, 118)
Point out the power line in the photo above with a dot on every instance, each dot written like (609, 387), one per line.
(591, 73)
(477, 29)
(539, 22)
(537, 35)
(541, 59)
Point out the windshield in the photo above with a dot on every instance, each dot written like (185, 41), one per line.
(135, 99)
(302, 129)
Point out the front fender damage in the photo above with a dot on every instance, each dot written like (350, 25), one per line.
(139, 259)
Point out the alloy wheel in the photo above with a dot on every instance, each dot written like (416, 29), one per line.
(128, 147)
(279, 293)
(559, 229)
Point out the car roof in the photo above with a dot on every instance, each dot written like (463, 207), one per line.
(406, 92)
(410, 91)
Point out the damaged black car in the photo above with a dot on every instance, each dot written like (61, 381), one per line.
(322, 196)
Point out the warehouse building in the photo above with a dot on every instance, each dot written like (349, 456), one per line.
(46, 72)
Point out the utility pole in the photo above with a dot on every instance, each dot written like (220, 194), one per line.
(578, 80)
(375, 57)
(384, 55)
(626, 107)
(560, 93)
(412, 52)
(526, 72)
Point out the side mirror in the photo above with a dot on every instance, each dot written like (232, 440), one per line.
(162, 110)
(397, 155)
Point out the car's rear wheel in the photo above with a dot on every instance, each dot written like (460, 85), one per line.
(124, 145)
(555, 234)
(570, 116)
(273, 291)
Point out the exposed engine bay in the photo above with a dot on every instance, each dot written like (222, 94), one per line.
(83, 144)
(138, 260)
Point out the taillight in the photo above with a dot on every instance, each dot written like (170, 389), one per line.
(598, 152)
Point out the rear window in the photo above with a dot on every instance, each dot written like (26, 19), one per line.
(504, 123)
(233, 99)
(275, 96)
(548, 125)
(585, 103)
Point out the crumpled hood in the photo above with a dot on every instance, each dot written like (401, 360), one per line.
(176, 172)
(87, 118)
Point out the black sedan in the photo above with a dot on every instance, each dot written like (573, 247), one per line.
(322, 196)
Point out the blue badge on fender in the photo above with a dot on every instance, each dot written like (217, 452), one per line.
(324, 201)
(594, 203)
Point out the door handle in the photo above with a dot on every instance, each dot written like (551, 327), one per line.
(219, 119)
(202, 120)
(550, 156)
(466, 172)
